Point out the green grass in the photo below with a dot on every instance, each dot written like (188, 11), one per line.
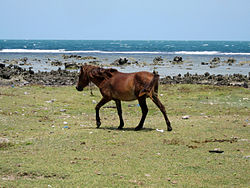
(42, 153)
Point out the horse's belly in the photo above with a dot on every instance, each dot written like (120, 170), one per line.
(127, 96)
(131, 98)
(124, 96)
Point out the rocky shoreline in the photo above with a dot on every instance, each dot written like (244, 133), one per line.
(207, 79)
(16, 75)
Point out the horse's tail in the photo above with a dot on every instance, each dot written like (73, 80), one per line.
(151, 88)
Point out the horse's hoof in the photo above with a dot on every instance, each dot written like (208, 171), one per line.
(120, 127)
(98, 124)
(169, 128)
(138, 128)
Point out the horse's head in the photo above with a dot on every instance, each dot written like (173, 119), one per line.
(83, 80)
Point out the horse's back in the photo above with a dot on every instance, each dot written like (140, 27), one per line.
(129, 80)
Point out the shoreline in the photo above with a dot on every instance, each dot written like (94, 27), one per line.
(12, 75)
(165, 65)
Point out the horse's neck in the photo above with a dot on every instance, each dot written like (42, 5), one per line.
(96, 80)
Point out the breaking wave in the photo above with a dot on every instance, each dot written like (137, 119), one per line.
(63, 51)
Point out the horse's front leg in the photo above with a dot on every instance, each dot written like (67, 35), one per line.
(119, 110)
(97, 108)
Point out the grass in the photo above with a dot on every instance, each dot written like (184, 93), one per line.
(53, 142)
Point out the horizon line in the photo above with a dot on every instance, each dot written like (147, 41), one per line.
(133, 40)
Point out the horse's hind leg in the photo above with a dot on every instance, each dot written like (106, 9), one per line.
(97, 108)
(162, 108)
(119, 110)
(144, 109)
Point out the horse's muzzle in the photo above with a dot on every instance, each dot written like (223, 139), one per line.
(79, 89)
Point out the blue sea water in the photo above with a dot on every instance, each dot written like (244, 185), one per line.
(126, 46)
(41, 52)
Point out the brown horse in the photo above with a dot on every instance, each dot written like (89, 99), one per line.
(118, 86)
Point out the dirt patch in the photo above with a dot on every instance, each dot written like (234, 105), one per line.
(231, 140)
(174, 141)
(8, 95)
(31, 175)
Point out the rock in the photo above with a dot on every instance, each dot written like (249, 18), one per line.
(2, 65)
(213, 66)
(177, 59)
(94, 62)
(120, 61)
(206, 74)
(214, 62)
(204, 63)
(246, 85)
(216, 59)
(31, 71)
(5, 75)
(71, 65)
(240, 84)
(65, 56)
(88, 57)
(158, 60)
(6, 61)
(24, 59)
(13, 62)
(70, 56)
(77, 57)
(219, 77)
(230, 60)
(56, 63)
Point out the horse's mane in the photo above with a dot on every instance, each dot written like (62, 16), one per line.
(98, 72)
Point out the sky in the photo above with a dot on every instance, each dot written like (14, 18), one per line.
(125, 19)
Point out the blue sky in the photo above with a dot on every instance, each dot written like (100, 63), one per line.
(125, 19)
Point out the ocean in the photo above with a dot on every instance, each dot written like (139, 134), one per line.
(193, 53)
